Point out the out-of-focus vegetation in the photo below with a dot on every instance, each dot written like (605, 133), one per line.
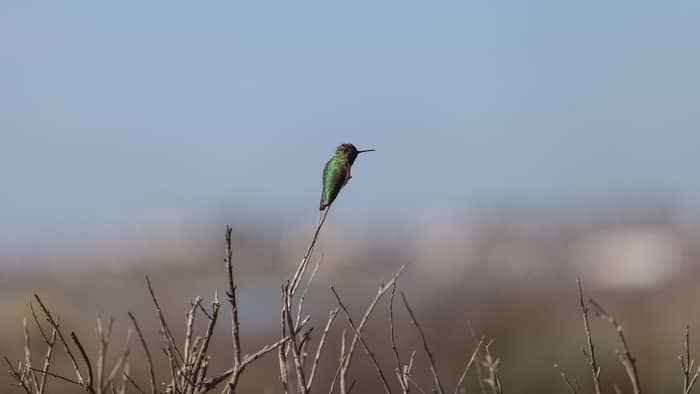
(512, 277)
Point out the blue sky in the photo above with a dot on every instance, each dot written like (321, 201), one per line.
(111, 113)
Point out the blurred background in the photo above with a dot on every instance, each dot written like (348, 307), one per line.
(520, 145)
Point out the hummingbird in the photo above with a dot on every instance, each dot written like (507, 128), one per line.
(336, 173)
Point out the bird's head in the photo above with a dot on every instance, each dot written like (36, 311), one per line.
(349, 151)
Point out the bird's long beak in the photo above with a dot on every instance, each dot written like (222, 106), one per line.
(366, 150)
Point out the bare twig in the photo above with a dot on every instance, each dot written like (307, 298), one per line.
(17, 376)
(65, 379)
(687, 365)
(362, 341)
(402, 380)
(331, 317)
(165, 329)
(28, 371)
(491, 365)
(281, 351)
(565, 378)
(122, 359)
(136, 386)
(103, 339)
(590, 354)
(350, 351)
(90, 387)
(54, 324)
(247, 360)
(415, 384)
(47, 361)
(429, 354)
(469, 364)
(341, 359)
(479, 372)
(300, 303)
(301, 379)
(151, 373)
(626, 359)
(301, 269)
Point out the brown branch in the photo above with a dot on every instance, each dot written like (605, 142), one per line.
(90, 387)
(341, 359)
(47, 361)
(300, 303)
(428, 353)
(122, 359)
(687, 365)
(479, 371)
(348, 356)
(165, 329)
(402, 380)
(103, 339)
(28, 373)
(200, 359)
(213, 382)
(362, 341)
(281, 351)
(136, 386)
(331, 317)
(301, 379)
(231, 294)
(54, 324)
(17, 375)
(590, 355)
(151, 373)
(494, 381)
(65, 379)
(301, 269)
(565, 378)
(626, 359)
(469, 364)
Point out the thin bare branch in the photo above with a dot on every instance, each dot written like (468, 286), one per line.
(626, 359)
(331, 317)
(565, 378)
(362, 341)
(122, 359)
(428, 353)
(401, 377)
(133, 383)
(469, 364)
(17, 375)
(65, 379)
(301, 269)
(301, 378)
(54, 324)
(351, 350)
(341, 359)
(590, 355)
(47, 361)
(165, 329)
(151, 373)
(479, 372)
(90, 381)
(491, 364)
(300, 303)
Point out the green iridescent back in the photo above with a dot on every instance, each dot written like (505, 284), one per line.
(335, 176)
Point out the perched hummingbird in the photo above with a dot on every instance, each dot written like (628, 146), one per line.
(337, 172)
